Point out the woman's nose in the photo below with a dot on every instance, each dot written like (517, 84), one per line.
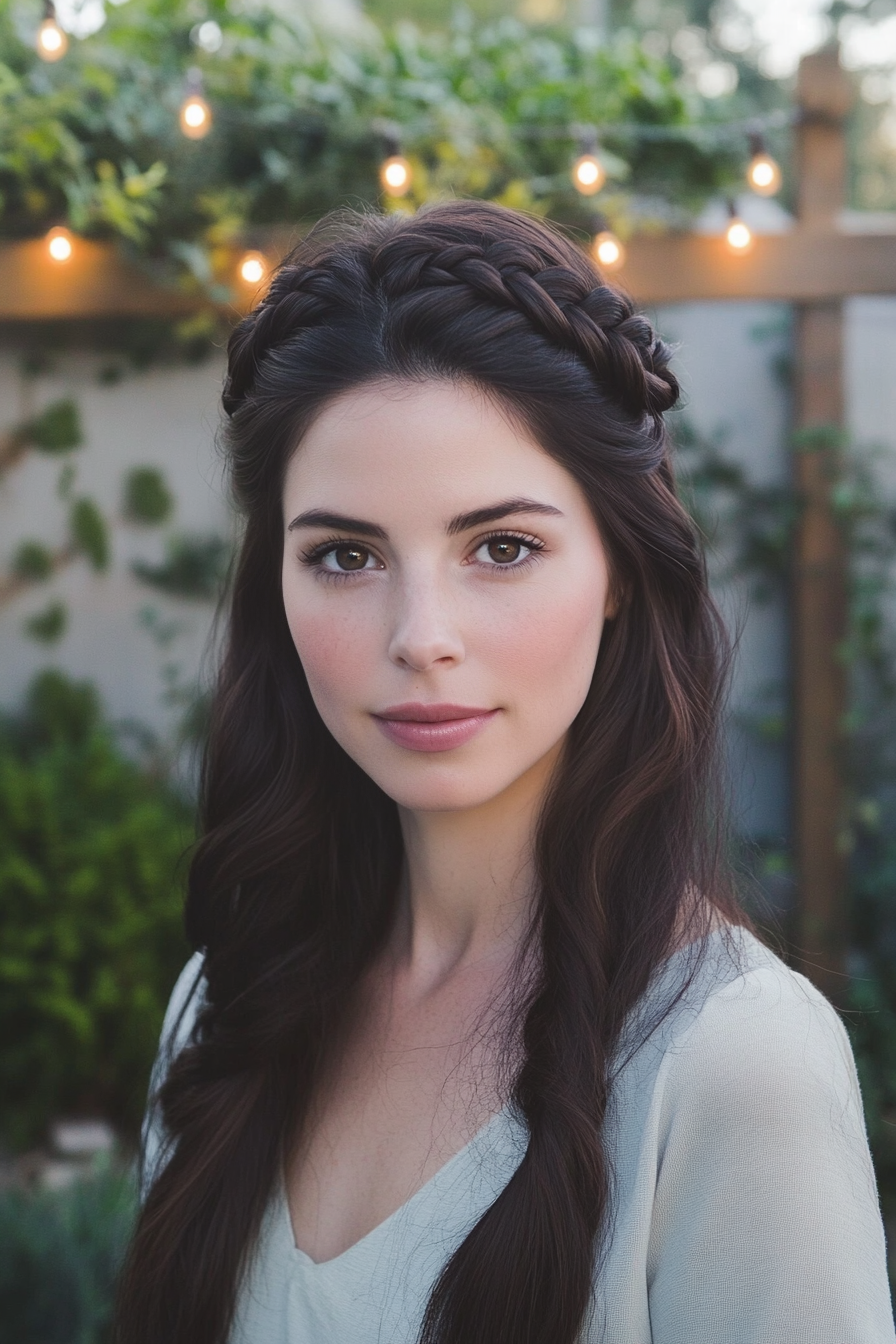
(424, 631)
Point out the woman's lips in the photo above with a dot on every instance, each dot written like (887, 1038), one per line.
(432, 727)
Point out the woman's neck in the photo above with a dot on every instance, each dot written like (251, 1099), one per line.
(469, 882)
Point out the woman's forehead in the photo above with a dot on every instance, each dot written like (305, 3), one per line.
(445, 446)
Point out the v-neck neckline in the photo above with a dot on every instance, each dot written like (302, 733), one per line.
(284, 1217)
(507, 1114)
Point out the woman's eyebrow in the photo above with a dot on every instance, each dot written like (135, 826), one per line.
(322, 518)
(493, 512)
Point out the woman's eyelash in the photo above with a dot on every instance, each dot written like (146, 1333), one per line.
(314, 555)
(533, 543)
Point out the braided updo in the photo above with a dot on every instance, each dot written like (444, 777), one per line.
(451, 260)
(293, 885)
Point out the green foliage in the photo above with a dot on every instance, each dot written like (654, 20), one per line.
(147, 498)
(56, 430)
(299, 115)
(32, 561)
(90, 533)
(49, 625)
(59, 710)
(59, 1257)
(435, 14)
(194, 567)
(90, 904)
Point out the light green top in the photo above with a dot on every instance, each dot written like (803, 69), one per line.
(745, 1210)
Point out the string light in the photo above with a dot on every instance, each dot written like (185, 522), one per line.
(252, 268)
(52, 42)
(608, 251)
(59, 244)
(606, 248)
(588, 173)
(763, 173)
(195, 113)
(738, 235)
(396, 174)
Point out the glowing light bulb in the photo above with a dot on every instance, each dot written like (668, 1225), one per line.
(52, 42)
(764, 175)
(739, 237)
(195, 117)
(395, 175)
(608, 251)
(253, 268)
(588, 174)
(60, 245)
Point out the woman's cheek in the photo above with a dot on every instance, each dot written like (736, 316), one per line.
(548, 647)
(336, 651)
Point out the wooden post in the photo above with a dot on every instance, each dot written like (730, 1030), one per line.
(819, 573)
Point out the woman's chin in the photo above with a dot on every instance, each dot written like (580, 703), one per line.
(456, 792)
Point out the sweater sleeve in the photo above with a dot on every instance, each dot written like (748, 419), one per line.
(766, 1226)
(177, 1027)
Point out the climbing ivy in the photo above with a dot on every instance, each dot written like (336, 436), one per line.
(146, 500)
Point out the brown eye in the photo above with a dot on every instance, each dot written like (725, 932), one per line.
(342, 557)
(350, 557)
(504, 550)
(507, 551)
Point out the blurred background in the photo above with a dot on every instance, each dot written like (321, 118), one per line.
(731, 162)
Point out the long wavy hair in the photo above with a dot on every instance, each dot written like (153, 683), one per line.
(293, 885)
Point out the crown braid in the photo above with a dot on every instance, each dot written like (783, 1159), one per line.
(409, 260)
(299, 297)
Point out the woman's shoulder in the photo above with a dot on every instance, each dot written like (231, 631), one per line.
(757, 1036)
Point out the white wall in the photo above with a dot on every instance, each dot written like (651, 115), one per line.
(870, 369)
(726, 363)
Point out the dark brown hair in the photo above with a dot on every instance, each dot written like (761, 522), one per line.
(293, 884)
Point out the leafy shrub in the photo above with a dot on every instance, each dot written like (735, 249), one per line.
(90, 904)
(59, 1258)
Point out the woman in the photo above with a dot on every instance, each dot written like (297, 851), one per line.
(476, 1047)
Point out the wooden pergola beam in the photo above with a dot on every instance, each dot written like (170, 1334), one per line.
(795, 267)
(801, 266)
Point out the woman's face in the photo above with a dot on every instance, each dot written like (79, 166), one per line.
(445, 585)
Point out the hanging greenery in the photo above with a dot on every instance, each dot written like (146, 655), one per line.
(298, 120)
